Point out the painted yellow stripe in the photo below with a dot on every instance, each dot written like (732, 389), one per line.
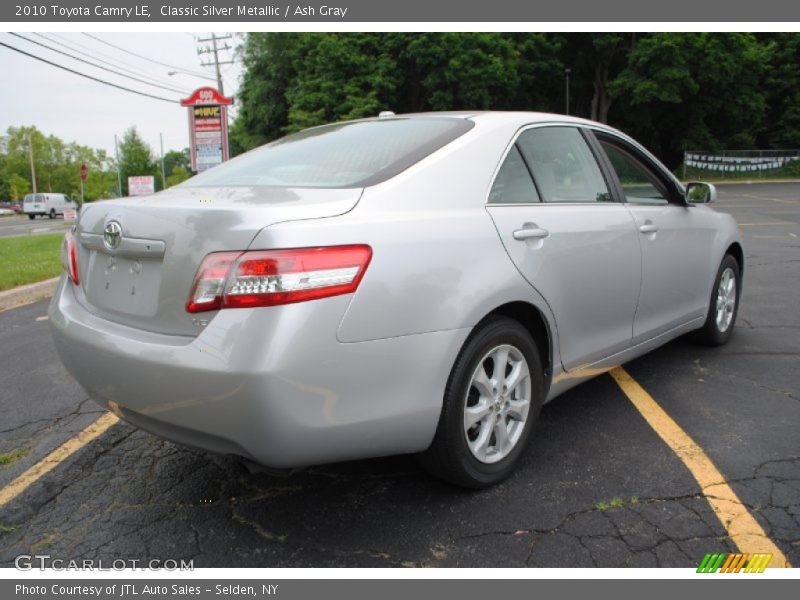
(56, 457)
(742, 528)
(767, 224)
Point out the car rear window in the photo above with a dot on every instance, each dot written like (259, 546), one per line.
(353, 154)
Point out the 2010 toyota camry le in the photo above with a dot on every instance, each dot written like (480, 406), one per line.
(404, 284)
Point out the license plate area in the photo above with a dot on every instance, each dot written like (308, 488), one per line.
(124, 284)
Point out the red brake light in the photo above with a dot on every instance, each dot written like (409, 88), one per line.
(273, 277)
(69, 257)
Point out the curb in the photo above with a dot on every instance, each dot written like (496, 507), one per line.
(27, 294)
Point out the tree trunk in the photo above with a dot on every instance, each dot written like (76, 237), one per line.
(601, 100)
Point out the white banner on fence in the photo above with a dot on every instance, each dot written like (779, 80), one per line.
(722, 162)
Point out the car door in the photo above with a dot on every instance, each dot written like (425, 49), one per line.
(675, 240)
(553, 209)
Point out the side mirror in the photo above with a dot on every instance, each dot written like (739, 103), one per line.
(700, 193)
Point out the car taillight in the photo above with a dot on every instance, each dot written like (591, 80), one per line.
(272, 277)
(69, 256)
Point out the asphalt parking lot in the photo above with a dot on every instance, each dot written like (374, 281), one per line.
(598, 487)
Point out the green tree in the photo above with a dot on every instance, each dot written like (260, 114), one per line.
(177, 158)
(178, 175)
(135, 158)
(18, 187)
(269, 67)
(339, 76)
(782, 89)
(673, 91)
(693, 91)
(462, 70)
(57, 163)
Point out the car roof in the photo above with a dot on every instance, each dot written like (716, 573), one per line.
(521, 117)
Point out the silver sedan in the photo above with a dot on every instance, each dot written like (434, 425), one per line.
(404, 284)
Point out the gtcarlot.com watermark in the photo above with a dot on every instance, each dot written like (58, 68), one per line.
(42, 562)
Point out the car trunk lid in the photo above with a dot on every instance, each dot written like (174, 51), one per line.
(138, 256)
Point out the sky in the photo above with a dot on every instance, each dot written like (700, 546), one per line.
(76, 109)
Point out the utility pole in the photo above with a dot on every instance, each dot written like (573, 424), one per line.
(33, 169)
(215, 49)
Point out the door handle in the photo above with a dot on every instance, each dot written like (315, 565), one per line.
(648, 228)
(530, 233)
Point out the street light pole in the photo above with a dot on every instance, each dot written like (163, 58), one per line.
(33, 168)
(566, 76)
(163, 174)
(119, 173)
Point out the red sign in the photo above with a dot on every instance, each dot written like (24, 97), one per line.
(208, 127)
(205, 96)
(84, 171)
(141, 185)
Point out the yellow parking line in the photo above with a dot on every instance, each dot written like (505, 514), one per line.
(742, 528)
(56, 457)
(767, 224)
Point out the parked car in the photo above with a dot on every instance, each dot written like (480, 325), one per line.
(50, 205)
(405, 284)
(16, 207)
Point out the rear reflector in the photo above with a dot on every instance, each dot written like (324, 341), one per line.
(273, 277)
(69, 256)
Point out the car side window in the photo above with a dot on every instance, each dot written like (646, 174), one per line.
(563, 166)
(513, 184)
(639, 185)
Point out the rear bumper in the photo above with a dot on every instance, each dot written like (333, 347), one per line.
(271, 384)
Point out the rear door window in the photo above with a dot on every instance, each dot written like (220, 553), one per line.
(563, 165)
(343, 155)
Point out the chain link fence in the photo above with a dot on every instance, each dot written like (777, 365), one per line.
(740, 164)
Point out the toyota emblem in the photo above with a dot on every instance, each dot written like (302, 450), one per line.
(112, 235)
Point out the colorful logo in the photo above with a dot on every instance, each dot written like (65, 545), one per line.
(734, 563)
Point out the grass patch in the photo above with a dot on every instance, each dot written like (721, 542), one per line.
(616, 502)
(28, 259)
(13, 456)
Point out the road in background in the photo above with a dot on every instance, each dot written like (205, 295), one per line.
(22, 225)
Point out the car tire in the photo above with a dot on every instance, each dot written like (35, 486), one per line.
(723, 305)
(52, 214)
(31, 217)
(456, 447)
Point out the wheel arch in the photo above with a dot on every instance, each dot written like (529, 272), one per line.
(736, 250)
(534, 321)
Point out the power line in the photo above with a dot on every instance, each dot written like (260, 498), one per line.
(95, 54)
(98, 80)
(152, 60)
(96, 66)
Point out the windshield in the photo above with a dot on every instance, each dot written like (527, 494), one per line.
(353, 154)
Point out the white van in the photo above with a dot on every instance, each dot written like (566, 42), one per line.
(49, 205)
